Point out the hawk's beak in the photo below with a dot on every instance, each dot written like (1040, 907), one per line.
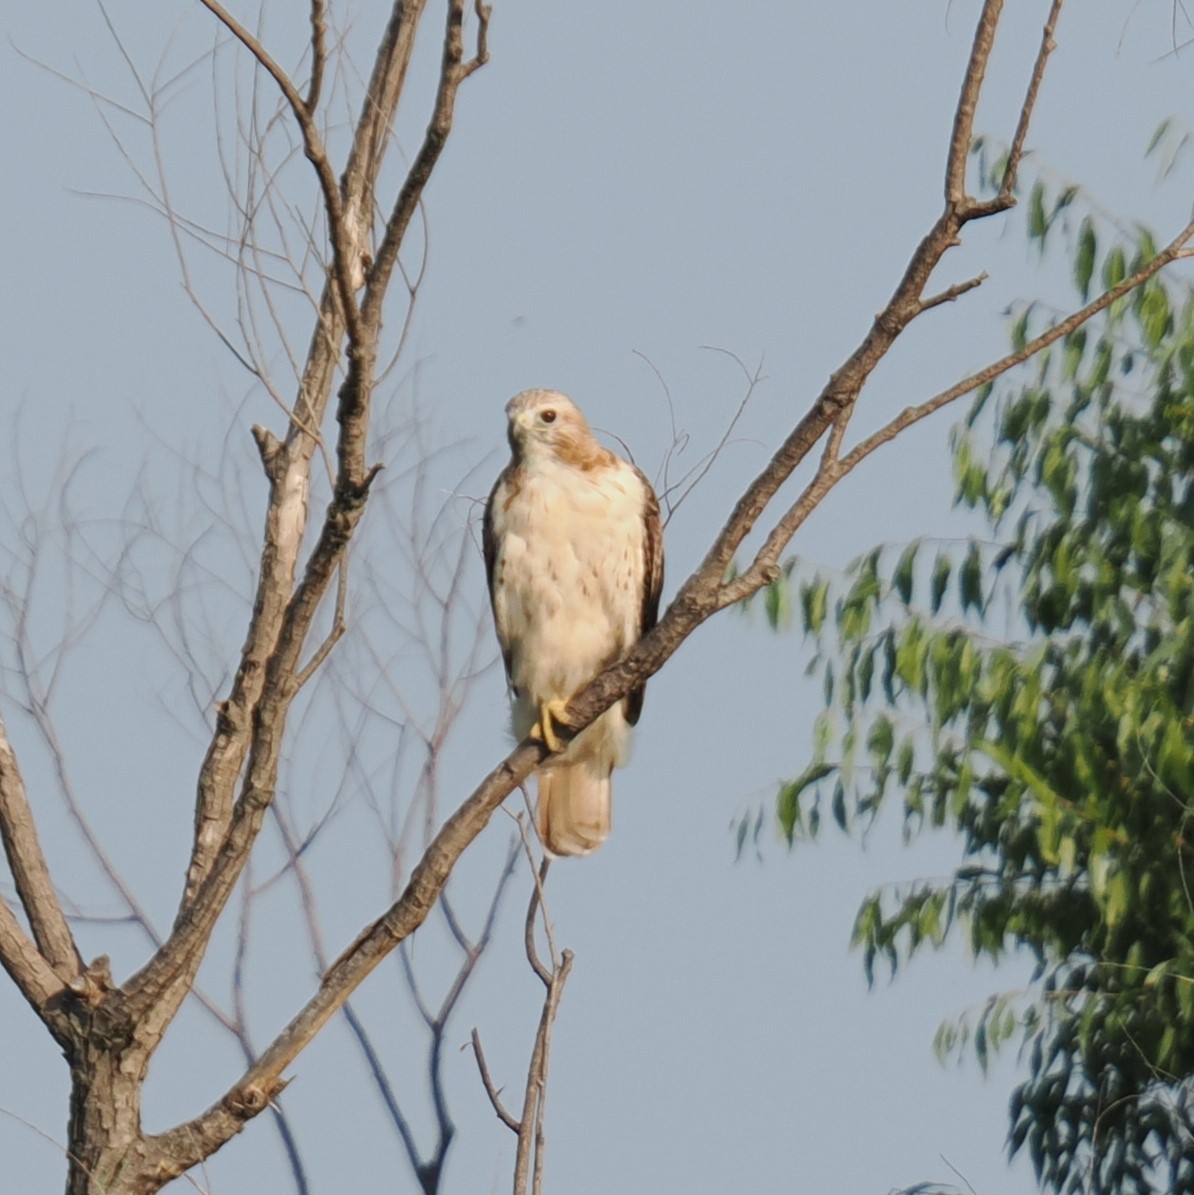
(525, 419)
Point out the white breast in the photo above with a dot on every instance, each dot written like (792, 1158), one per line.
(568, 578)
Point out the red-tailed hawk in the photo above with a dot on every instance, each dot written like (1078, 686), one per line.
(574, 556)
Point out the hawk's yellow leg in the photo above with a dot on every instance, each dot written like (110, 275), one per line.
(550, 712)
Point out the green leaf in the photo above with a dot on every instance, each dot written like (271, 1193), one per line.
(1020, 330)
(1115, 268)
(866, 672)
(814, 604)
(1084, 259)
(902, 577)
(1038, 224)
(1158, 135)
(1145, 244)
(1075, 346)
(939, 582)
(838, 805)
(881, 739)
(945, 1040)
(1154, 314)
(970, 579)
(788, 801)
(1101, 369)
(777, 604)
(1050, 805)
(1116, 904)
(1067, 197)
(742, 829)
(981, 395)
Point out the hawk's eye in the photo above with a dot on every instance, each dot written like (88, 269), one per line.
(547, 416)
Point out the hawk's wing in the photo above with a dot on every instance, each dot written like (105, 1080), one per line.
(489, 547)
(652, 583)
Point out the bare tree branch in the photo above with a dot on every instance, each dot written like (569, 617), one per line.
(532, 1136)
(529, 1127)
(764, 567)
(252, 1092)
(313, 147)
(287, 463)
(245, 750)
(533, 1118)
(1006, 198)
(952, 293)
(33, 976)
(963, 130)
(1174, 251)
(29, 870)
(254, 716)
(453, 72)
(319, 33)
(495, 1097)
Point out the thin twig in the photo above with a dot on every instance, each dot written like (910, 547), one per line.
(316, 153)
(538, 899)
(481, 57)
(953, 292)
(339, 626)
(701, 468)
(494, 1094)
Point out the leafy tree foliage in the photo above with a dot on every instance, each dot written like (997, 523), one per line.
(1034, 692)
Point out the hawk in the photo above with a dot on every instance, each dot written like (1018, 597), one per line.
(574, 556)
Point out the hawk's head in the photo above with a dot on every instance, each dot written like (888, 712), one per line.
(545, 423)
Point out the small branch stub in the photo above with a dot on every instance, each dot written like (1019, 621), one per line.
(94, 983)
(268, 446)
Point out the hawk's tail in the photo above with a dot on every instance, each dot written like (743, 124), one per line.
(574, 807)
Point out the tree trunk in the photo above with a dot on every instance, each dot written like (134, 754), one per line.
(107, 1152)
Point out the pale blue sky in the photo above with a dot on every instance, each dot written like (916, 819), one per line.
(624, 179)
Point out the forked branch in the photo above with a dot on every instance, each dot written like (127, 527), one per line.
(530, 1126)
(251, 722)
(453, 71)
(288, 461)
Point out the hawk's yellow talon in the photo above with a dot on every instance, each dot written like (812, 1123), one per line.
(550, 712)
